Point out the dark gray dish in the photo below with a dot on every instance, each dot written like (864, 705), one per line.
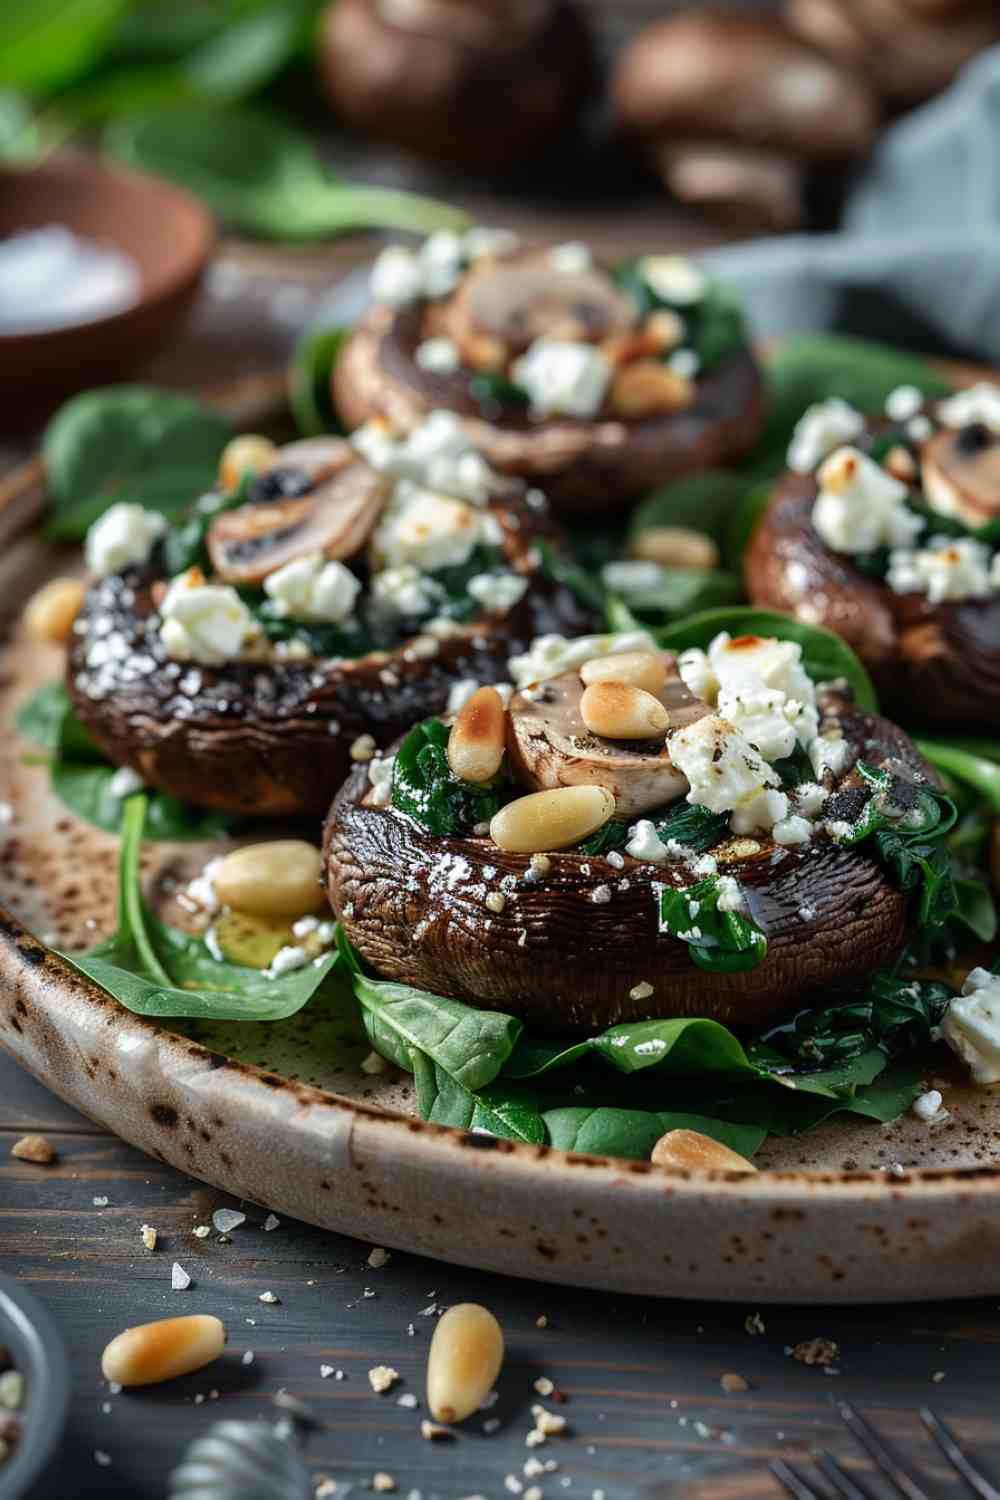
(38, 1351)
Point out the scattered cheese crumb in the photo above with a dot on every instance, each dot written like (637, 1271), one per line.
(408, 1400)
(433, 1432)
(247, 1357)
(373, 1063)
(383, 1482)
(271, 1222)
(543, 1385)
(179, 1278)
(148, 1236)
(382, 1378)
(363, 748)
(201, 1231)
(226, 1219)
(102, 1459)
(100, 1202)
(268, 1297)
(379, 1258)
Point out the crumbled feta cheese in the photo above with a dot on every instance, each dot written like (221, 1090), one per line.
(570, 258)
(860, 506)
(674, 279)
(395, 277)
(820, 429)
(761, 812)
(759, 685)
(601, 895)
(311, 588)
(404, 591)
(903, 403)
(645, 843)
(426, 529)
(684, 362)
(124, 536)
(286, 959)
(562, 378)
(551, 654)
(730, 896)
(497, 592)
(125, 782)
(179, 1278)
(829, 751)
(928, 1106)
(438, 356)
(436, 454)
(380, 775)
(792, 830)
(980, 403)
(440, 260)
(947, 569)
(206, 623)
(971, 1025)
(809, 798)
(723, 769)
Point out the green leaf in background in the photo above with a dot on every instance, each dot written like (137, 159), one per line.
(19, 137)
(974, 762)
(131, 443)
(824, 655)
(156, 970)
(703, 501)
(263, 175)
(45, 44)
(82, 778)
(309, 381)
(671, 593)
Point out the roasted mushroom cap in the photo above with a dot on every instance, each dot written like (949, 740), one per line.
(334, 501)
(938, 661)
(562, 959)
(728, 106)
(274, 738)
(549, 745)
(583, 464)
(471, 83)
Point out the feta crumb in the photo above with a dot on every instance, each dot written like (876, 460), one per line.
(674, 279)
(179, 1278)
(641, 991)
(497, 592)
(201, 1231)
(723, 769)
(269, 1298)
(562, 378)
(149, 1236)
(380, 772)
(425, 528)
(949, 569)
(496, 901)
(792, 830)
(971, 1025)
(860, 507)
(286, 960)
(549, 655)
(123, 537)
(373, 1064)
(730, 895)
(570, 258)
(382, 1378)
(363, 748)
(979, 403)
(378, 1258)
(438, 356)
(225, 1219)
(903, 403)
(684, 362)
(383, 1483)
(204, 623)
(313, 589)
(928, 1106)
(125, 782)
(395, 277)
(822, 428)
(601, 895)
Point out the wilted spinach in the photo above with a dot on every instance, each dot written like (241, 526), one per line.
(723, 942)
(424, 787)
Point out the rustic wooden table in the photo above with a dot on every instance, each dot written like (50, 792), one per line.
(646, 1409)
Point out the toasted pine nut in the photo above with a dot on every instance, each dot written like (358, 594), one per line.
(163, 1350)
(476, 742)
(618, 711)
(645, 387)
(555, 819)
(676, 547)
(642, 669)
(697, 1152)
(247, 453)
(277, 879)
(36, 1148)
(463, 1361)
(49, 613)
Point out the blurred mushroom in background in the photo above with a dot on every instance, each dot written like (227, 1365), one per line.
(910, 49)
(474, 84)
(731, 108)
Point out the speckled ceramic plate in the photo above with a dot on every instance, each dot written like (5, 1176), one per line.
(281, 1113)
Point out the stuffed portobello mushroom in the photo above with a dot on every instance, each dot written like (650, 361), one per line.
(595, 384)
(639, 834)
(887, 531)
(306, 612)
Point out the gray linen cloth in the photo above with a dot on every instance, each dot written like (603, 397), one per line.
(918, 260)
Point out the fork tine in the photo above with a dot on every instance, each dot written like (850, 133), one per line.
(886, 1463)
(950, 1447)
(838, 1476)
(793, 1481)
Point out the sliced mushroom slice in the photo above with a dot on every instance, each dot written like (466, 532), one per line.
(549, 745)
(961, 473)
(503, 305)
(334, 517)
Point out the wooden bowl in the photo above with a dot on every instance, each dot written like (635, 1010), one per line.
(167, 233)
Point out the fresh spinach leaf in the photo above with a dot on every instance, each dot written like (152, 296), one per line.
(697, 828)
(824, 655)
(703, 502)
(496, 1109)
(263, 175)
(46, 44)
(128, 443)
(424, 786)
(470, 1045)
(40, 717)
(895, 1015)
(309, 381)
(676, 592)
(632, 1133)
(156, 970)
(723, 942)
(613, 836)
